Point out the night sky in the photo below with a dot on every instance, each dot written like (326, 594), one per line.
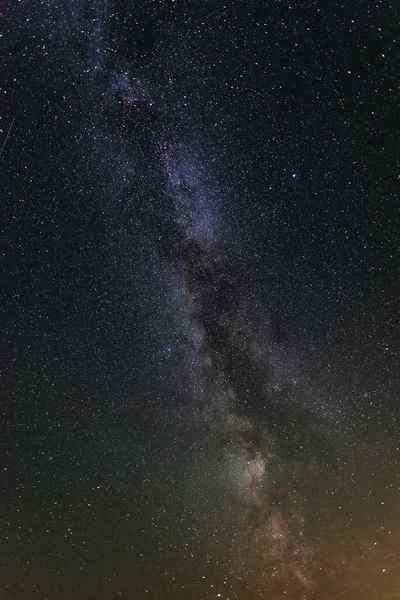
(200, 339)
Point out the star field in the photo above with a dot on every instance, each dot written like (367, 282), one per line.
(200, 266)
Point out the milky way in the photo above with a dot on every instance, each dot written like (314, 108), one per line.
(201, 362)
